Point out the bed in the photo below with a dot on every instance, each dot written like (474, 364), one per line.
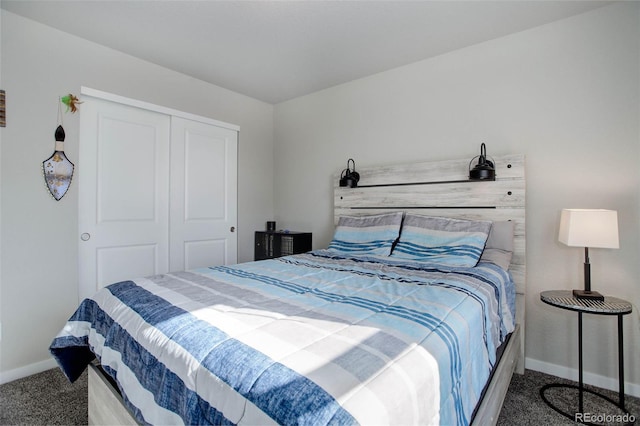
(365, 331)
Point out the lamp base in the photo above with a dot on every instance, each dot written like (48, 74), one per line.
(588, 294)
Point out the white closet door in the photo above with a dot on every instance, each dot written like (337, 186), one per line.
(203, 195)
(123, 181)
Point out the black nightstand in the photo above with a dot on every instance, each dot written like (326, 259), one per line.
(610, 306)
(272, 244)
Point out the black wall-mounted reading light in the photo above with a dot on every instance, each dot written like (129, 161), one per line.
(348, 177)
(485, 169)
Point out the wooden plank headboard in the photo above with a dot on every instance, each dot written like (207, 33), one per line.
(443, 188)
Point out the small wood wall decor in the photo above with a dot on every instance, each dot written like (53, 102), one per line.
(3, 109)
(58, 170)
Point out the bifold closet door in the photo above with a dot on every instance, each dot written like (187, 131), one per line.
(123, 181)
(203, 195)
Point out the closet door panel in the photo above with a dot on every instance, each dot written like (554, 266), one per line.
(123, 186)
(200, 253)
(205, 177)
(115, 264)
(126, 146)
(203, 195)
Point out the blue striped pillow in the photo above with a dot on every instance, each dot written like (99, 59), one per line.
(441, 240)
(371, 235)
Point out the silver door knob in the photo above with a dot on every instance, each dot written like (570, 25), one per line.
(85, 236)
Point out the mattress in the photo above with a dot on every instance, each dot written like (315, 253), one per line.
(318, 338)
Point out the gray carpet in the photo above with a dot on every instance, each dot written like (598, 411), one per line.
(46, 398)
(524, 406)
(49, 399)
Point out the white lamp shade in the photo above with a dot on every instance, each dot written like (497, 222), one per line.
(589, 228)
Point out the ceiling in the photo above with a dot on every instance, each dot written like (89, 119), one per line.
(278, 50)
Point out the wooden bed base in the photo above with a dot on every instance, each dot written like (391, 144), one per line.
(490, 405)
(435, 188)
(106, 406)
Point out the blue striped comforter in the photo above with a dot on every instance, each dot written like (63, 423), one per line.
(306, 339)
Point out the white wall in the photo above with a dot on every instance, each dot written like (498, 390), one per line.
(565, 94)
(39, 278)
(1, 133)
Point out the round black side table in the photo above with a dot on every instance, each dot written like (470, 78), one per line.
(564, 299)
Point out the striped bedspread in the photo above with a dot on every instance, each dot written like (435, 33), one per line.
(307, 339)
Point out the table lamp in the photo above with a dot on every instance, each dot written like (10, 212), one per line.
(588, 228)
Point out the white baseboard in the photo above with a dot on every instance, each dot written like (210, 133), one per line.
(604, 382)
(27, 370)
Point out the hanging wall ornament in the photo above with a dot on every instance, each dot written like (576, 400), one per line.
(58, 170)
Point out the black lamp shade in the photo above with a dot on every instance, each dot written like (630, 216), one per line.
(485, 169)
(482, 172)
